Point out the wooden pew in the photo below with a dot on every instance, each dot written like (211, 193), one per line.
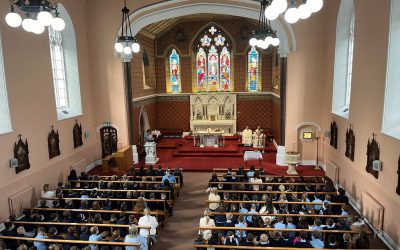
(275, 202)
(270, 192)
(260, 248)
(269, 183)
(262, 229)
(52, 223)
(74, 242)
(282, 215)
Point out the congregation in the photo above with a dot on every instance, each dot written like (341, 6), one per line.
(248, 208)
(97, 212)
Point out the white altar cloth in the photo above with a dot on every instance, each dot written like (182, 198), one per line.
(252, 155)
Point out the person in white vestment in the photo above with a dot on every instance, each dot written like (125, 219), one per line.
(247, 136)
(148, 220)
(258, 138)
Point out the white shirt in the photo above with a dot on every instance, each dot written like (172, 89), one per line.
(254, 180)
(204, 223)
(148, 220)
(216, 198)
(49, 194)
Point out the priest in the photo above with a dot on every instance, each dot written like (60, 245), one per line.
(258, 138)
(247, 136)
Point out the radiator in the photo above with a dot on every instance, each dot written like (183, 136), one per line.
(332, 171)
(18, 201)
(79, 166)
(372, 210)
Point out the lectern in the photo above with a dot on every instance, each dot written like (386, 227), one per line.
(151, 153)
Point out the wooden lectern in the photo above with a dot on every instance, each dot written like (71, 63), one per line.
(122, 159)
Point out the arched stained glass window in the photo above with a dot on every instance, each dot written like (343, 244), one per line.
(201, 66)
(213, 61)
(174, 85)
(225, 69)
(213, 78)
(253, 63)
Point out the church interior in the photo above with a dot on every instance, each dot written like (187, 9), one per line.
(271, 111)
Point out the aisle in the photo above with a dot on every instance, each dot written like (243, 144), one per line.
(182, 228)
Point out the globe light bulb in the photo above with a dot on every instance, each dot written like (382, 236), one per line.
(265, 45)
(292, 15)
(275, 42)
(315, 5)
(27, 24)
(135, 47)
(253, 42)
(13, 19)
(118, 47)
(268, 40)
(304, 11)
(260, 43)
(44, 17)
(279, 5)
(127, 50)
(271, 13)
(57, 24)
(38, 28)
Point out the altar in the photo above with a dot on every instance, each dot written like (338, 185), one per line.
(216, 111)
(208, 138)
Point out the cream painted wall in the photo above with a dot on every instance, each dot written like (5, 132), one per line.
(368, 85)
(32, 106)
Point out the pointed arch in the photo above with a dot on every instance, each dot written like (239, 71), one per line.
(143, 124)
(253, 70)
(5, 121)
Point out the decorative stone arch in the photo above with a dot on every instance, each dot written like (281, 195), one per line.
(307, 149)
(168, 50)
(170, 9)
(143, 125)
(107, 125)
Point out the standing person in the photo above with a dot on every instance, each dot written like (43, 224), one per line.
(148, 220)
(48, 194)
(72, 177)
(214, 197)
(94, 236)
(169, 177)
(133, 237)
(206, 221)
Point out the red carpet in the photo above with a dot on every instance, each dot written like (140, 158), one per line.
(180, 153)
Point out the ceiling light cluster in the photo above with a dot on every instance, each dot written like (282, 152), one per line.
(126, 43)
(264, 36)
(38, 15)
(293, 12)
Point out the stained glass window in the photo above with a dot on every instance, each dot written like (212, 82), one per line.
(213, 61)
(174, 73)
(253, 61)
(201, 65)
(225, 70)
(213, 78)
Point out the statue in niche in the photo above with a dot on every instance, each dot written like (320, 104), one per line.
(228, 109)
(372, 155)
(350, 144)
(334, 134)
(21, 153)
(77, 134)
(398, 178)
(53, 143)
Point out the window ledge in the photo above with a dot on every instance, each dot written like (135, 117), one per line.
(63, 114)
(341, 113)
(6, 131)
(146, 86)
(393, 132)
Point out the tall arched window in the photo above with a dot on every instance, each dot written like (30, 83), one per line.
(174, 83)
(343, 59)
(253, 72)
(391, 115)
(5, 123)
(64, 62)
(213, 61)
(146, 70)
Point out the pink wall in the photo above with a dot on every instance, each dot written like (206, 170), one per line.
(368, 86)
(32, 106)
